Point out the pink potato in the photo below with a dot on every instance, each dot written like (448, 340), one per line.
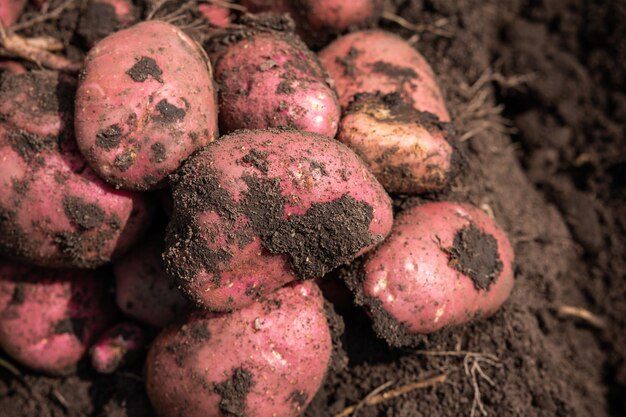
(266, 360)
(443, 265)
(377, 61)
(54, 210)
(117, 347)
(408, 151)
(143, 289)
(48, 317)
(270, 78)
(145, 102)
(258, 209)
(215, 13)
(12, 67)
(100, 18)
(10, 11)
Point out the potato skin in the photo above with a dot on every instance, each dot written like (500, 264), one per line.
(146, 101)
(217, 15)
(377, 61)
(10, 11)
(117, 347)
(407, 150)
(283, 348)
(415, 275)
(144, 291)
(257, 209)
(48, 317)
(55, 211)
(271, 79)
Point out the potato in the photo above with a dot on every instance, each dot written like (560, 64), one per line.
(256, 209)
(215, 13)
(12, 67)
(54, 210)
(48, 317)
(377, 61)
(119, 346)
(269, 78)
(266, 360)
(10, 11)
(145, 102)
(100, 18)
(143, 289)
(443, 265)
(408, 151)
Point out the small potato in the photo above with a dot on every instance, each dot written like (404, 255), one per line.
(54, 210)
(216, 14)
(377, 61)
(119, 346)
(100, 18)
(143, 289)
(12, 67)
(145, 102)
(48, 318)
(271, 79)
(408, 151)
(256, 209)
(10, 11)
(266, 360)
(443, 265)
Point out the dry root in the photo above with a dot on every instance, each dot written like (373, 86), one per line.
(582, 314)
(436, 28)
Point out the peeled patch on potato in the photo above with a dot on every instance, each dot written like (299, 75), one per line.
(374, 61)
(408, 151)
(257, 209)
(444, 264)
(48, 318)
(145, 102)
(268, 359)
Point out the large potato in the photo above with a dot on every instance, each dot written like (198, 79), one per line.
(444, 264)
(377, 61)
(48, 318)
(144, 104)
(54, 210)
(266, 360)
(256, 209)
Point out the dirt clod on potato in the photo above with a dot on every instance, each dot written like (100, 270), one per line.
(233, 392)
(144, 68)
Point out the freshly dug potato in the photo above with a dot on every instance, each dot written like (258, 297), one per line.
(12, 67)
(408, 151)
(48, 318)
(143, 289)
(100, 18)
(119, 346)
(10, 11)
(444, 264)
(377, 61)
(256, 209)
(215, 13)
(145, 102)
(266, 360)
(54, 210)
(269, 78)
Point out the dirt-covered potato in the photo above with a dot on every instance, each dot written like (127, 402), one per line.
(377, 61)
(117, 347)
(145, 102)
(265, 360)
(269, 78)
(444, 264)
(49, 317)
(408, 151)
(256, 209)
(216, 13)
(143, 289)
(54, 210)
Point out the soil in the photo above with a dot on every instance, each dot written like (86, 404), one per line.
(536, 92)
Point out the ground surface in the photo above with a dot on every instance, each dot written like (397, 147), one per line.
(554, 177)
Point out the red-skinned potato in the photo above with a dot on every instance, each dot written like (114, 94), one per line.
(48, 317)
(10, 11)
(269, 78)
(100, 18)
(54, 210)
(444, 264)
(143, 289)
(145, 102)
(257, 209)
(265, 360)
(377, 61)
(117, 347)
(408, 151)
(215, 13)
(12, 67)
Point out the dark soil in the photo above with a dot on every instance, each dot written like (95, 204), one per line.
(554, 179)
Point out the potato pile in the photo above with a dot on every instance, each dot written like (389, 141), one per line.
(296, 186)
